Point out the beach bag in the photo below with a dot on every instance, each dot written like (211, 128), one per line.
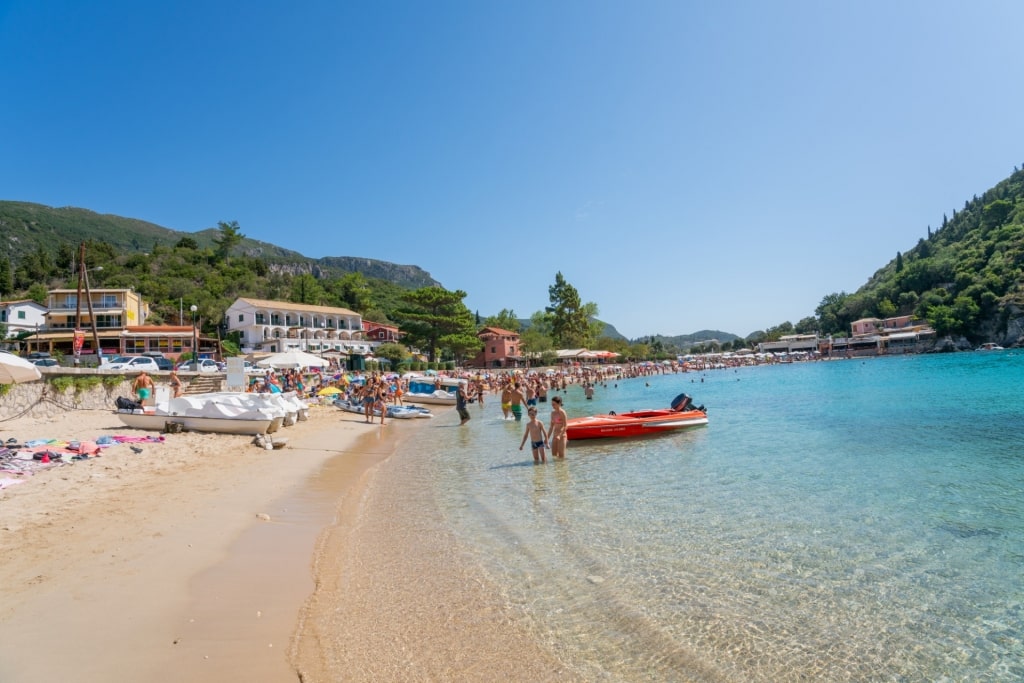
(127, 404)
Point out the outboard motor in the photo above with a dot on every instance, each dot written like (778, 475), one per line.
(681, 402)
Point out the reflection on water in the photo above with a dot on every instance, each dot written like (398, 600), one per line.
(827, 524)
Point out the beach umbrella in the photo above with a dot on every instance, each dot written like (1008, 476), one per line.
(15, 370)
(328, 391)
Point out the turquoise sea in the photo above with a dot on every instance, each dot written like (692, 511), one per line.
(857, 520)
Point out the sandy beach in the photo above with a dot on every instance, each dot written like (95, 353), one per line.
(205, 558)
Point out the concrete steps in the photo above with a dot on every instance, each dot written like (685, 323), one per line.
(204, 384)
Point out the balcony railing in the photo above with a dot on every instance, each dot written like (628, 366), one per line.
(96, 305)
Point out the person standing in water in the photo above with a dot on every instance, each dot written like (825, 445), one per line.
(461, 401)
(538, 436)
(557, 436)
(517, 400)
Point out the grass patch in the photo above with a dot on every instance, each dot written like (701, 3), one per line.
(62, 383)
(80, 383)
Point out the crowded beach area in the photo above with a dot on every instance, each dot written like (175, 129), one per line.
(141, 555)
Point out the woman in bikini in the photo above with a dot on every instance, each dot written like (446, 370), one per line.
(556, 432)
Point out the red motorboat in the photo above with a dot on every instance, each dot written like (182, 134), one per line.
(638, 423)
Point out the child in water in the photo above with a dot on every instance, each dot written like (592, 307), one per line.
(538, 436)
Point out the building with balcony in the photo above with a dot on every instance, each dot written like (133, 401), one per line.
(878, 337)
(381, 333)
(791, 343)
(500, 349)
(276, 326)
(101, 314)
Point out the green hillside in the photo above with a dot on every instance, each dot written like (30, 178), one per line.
(965, 276)
(29, 228)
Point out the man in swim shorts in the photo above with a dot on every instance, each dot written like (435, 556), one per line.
(506, 401)
(517, 400)
(143, 386)
(461, 401)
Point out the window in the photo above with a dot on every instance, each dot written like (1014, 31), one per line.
(241, 317)
(494, 349)
(21, 315)
(261, 319)
(109, 301)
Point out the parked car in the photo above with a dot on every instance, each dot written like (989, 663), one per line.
(162, 361)
(205, 365)
(131, 364)
(44, 362)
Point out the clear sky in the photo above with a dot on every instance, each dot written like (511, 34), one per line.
(685, 165)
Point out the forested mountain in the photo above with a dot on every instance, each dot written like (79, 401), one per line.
(27, 229)
(173, 270)
(965, 276)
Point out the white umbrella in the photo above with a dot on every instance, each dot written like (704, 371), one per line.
(293, 359)
(14, 370)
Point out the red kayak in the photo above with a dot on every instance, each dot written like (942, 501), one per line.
(639, 423)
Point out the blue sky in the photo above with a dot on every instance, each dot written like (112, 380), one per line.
(685, 165)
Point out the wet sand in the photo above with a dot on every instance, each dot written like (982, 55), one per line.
(398, 600)
(207, 559)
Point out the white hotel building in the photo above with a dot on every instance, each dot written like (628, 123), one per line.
(276, 326)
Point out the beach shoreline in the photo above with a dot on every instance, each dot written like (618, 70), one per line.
(111, 556)
(206, 558)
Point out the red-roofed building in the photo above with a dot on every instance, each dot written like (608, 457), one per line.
(501, 349)
(379, 332)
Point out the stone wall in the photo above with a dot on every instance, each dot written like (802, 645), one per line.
(41, 399)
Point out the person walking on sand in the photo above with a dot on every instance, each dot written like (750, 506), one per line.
(175, 383)
(380, 402)
(143, 386)
(538, 437)
(557, 436)
(460, 404)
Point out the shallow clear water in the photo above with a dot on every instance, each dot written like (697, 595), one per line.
(851, 520)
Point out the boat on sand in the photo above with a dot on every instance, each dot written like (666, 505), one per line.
(221, 413)
(680, 415)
